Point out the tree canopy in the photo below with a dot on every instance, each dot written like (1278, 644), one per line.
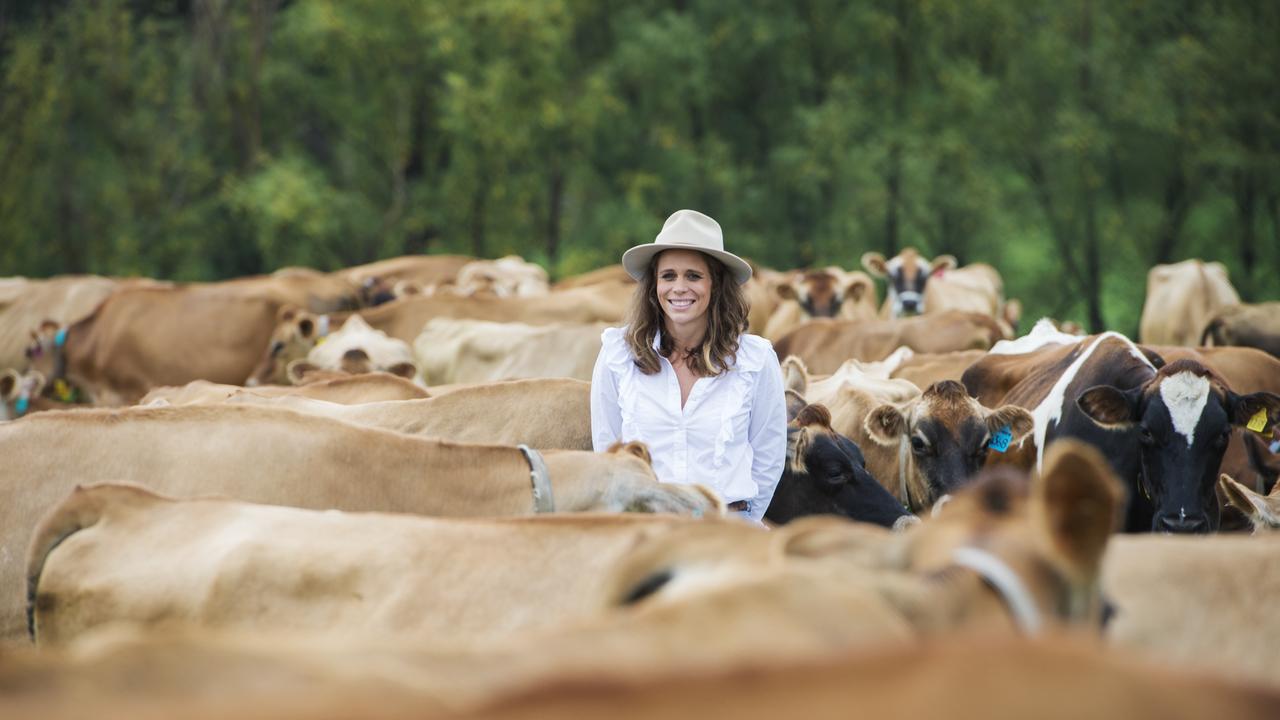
(1070, 143)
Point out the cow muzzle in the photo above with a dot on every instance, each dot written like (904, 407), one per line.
(911, 302)
(1181, 524)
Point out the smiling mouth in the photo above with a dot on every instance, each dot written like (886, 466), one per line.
(681, 303)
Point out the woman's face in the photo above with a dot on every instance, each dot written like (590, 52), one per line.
(684, 286)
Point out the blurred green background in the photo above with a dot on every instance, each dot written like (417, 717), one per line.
(1071, 143)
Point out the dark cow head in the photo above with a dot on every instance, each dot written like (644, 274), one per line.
(944, 437)
(905, 277)
(822, 293)
(1183, 419)
(826, 474)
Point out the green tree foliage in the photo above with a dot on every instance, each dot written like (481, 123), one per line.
(1071, 144)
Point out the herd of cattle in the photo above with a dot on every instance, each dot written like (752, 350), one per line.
(371, 493)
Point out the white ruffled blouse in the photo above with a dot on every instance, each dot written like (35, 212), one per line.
(731, 434)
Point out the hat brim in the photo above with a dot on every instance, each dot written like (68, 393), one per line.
(636, 260)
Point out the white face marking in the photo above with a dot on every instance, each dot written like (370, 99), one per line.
(1050, 409)
(1185, 395)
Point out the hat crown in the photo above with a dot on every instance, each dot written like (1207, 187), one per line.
(691, 228)
(686, 229)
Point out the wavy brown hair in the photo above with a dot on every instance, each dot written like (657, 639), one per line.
(726, 321)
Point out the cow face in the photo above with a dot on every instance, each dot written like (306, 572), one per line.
(1182, 420)
(944, 437)
(295, 335)
(822, 293)
(826, 474)
(905, 277)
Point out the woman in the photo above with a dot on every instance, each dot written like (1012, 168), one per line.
(685, 378)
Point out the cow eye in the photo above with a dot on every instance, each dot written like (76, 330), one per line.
(1145, 436)
(1225, 437)
(918, 445)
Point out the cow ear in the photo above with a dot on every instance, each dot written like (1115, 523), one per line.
(787, 291)
(1076, 504)
(795, 376)
(9, 384)
(405, 370)
(885, 425)
(635, 447)
(1109, 407)
(814, 415)
(874, 263)
(1017, 419)
(298, 371)
(858, 287)
(1262, 511)
(795, 403)
(942, 263)
(1245, 407)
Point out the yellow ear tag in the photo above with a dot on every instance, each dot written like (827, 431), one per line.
(320, 340)
(1258, 422)
(61, 390)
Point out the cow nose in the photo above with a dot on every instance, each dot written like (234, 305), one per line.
(909, 305)
(1181, 525)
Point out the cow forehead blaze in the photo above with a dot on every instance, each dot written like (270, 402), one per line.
(1185, 395)
(906, 264)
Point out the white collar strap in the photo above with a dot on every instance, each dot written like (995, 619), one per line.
(540, 479)
(1006, 583)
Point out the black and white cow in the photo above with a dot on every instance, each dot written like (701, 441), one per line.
(1183, 420)
(1164, 428)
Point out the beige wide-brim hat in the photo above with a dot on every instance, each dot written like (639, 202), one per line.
(686, 230)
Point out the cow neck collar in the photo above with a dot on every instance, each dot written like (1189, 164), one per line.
(540, 479)
(1002, 578)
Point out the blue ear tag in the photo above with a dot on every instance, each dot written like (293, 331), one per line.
(1000, 441)
(61, 338)
(21, 405)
